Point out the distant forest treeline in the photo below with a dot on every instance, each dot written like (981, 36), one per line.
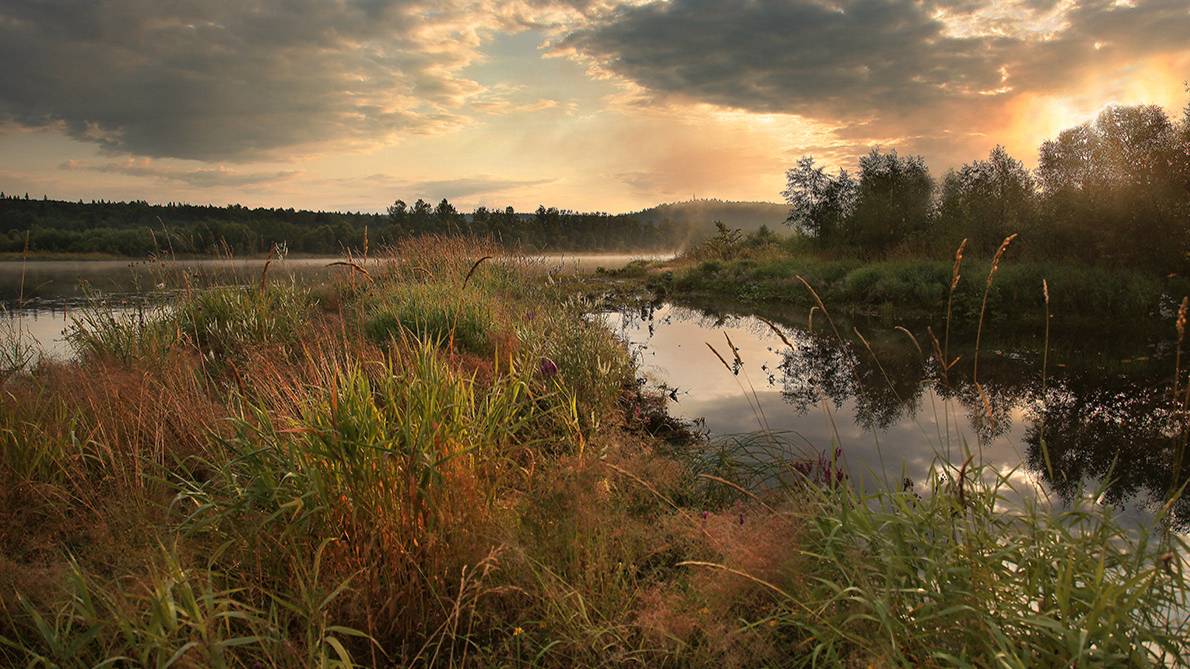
(1113, 191)
(139, 228)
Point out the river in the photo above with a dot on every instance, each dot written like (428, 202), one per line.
(1103, 411)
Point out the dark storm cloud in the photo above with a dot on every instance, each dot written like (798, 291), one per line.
(803, 57)
(863, 60)
(229, 79)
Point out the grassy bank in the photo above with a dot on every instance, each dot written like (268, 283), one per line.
(920, 287)
(443, 463)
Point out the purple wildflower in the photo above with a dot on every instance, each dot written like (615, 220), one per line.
(548, 368)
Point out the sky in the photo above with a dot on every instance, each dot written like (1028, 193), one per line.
(593, 105)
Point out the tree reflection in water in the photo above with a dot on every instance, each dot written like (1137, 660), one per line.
(1102, 421)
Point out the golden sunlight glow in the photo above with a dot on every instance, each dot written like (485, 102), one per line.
(1032, 118)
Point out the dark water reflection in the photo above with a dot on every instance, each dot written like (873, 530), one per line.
(1104, 410)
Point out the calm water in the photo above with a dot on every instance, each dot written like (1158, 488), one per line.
(1103, 404)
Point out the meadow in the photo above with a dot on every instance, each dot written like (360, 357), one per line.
(440, 460)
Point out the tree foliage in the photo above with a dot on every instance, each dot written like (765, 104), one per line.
(987, 200)
(892, 202)
(820, 203)
(1114, 191)
(139, 228)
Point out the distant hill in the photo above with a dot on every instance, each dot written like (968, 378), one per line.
(700, 215)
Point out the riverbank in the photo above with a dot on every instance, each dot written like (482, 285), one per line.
(67, 282)
(52, 256)
(920, 288)
(448, 463)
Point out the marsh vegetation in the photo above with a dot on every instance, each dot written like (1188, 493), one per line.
(439, 454)
(447, 461)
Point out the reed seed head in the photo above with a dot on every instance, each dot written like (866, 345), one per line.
(1000, 256)
(958, 262)
(721, 359)
(1180, 324)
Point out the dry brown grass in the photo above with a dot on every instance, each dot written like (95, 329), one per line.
(437, 257)
(108, 438)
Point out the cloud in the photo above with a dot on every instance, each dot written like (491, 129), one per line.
(213, 80)
(505, 99)
(678, 97)
(640, 181)
(436, 189)
(803, 57)
(882, 69)
(461, 188)
(206, 177)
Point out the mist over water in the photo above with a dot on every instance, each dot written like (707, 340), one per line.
(58, 282)
(37, 297)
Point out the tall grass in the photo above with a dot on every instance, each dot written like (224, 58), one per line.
(958, 576)
(436, 311)
(180, 616)
(217, 322)
(18, 350)
(240, 479)
(101, 330)
(225, 320)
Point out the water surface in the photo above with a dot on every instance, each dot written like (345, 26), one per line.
(1103, 406)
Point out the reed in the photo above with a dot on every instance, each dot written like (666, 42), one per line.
(18, 349)
(256, 477)
(983, 307)
(1180, 328)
